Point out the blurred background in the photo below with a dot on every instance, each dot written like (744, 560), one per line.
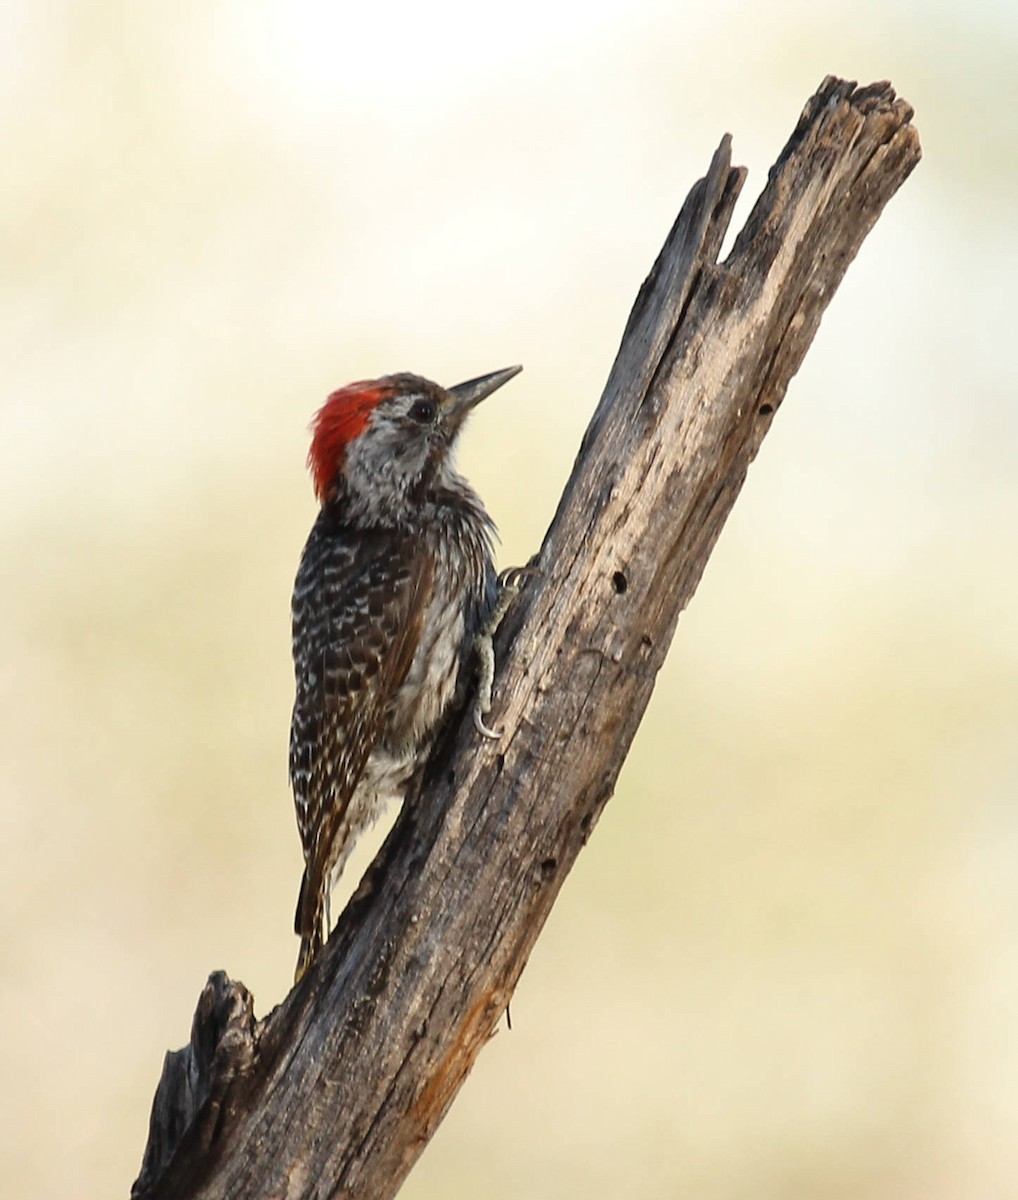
(787, 963)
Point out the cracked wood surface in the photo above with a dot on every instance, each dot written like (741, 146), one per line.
(339, 1089)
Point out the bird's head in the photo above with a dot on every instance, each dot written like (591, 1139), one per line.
(382, 440)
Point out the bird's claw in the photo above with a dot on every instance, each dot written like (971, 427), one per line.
(493, 735)
(512, 578)
(509, 583)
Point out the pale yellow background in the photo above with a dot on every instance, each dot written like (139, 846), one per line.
(787, 964)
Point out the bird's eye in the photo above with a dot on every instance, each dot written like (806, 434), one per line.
(423, 411)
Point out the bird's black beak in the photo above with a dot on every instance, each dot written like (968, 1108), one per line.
(465, 396)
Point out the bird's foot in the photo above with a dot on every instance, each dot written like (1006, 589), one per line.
(510, 581)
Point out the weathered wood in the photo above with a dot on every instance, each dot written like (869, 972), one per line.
(338, 1090)
(190, 1095)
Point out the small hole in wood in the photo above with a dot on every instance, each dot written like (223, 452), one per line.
(620, 582)
(548, 867)
(765, 410)
(500, 761)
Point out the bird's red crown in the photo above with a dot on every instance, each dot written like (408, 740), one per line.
(340, 421)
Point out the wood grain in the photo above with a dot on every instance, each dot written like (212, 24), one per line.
(339, 1089)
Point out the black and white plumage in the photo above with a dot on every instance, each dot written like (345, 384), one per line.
(395, 582)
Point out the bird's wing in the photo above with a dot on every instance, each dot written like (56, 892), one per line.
(359, 626)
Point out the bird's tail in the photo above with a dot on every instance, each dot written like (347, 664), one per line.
(310, 944)
(307, 924)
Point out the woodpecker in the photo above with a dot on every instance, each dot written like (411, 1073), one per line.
(395, 585)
